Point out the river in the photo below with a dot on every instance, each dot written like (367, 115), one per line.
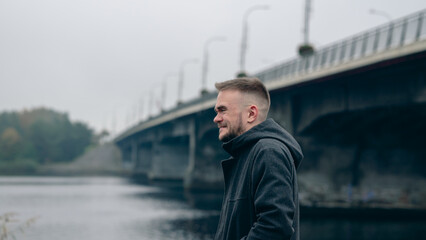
(111, 208)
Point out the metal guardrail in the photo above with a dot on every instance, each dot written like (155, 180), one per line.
(398, 33)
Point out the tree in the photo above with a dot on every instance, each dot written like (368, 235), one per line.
(43, 135)
(10, 143)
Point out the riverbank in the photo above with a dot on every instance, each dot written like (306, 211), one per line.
(103, 160)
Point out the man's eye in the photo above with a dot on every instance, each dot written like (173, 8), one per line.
(219, 110)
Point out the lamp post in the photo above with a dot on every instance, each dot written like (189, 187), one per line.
(242, 72)
(306, 49)
(181, 77)
(306, 23)
(164, 89)
(206, 62)
(380, 13)
(151, 102)
(141, 108)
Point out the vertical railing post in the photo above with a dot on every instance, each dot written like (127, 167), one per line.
(353, 45)
(376, 41)
(364, 44)
(419, 26)
(333, 54)
(343, 52)
(293, 68)
(403, 32)
(390, 32)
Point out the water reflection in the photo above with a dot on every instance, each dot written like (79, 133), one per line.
(113, 208)
(202, 228)
(99, 208)
(361, 229)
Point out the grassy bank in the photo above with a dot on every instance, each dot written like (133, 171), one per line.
(19, 167)
(104, 159)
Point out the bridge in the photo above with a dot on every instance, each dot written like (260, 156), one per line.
(357, 107)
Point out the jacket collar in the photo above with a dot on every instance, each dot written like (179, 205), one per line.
(239, 144)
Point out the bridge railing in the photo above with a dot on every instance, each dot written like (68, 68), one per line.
(394, 34)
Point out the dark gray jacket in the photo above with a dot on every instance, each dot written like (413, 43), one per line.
(261, 193)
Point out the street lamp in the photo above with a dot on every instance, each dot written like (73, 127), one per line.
(181, 77)
(306, 49)
(242, 72)
(307, 17)
(380, 13)
(151, 102)
(164, 89)
(206, 62)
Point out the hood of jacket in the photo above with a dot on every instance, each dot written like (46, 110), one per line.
(267, 129)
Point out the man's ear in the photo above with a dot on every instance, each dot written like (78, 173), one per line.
(253, 113)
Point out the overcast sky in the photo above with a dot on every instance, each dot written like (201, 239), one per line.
(100, 61)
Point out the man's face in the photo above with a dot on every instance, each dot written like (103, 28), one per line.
(229, 114)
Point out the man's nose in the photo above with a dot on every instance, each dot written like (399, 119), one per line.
(217, 119)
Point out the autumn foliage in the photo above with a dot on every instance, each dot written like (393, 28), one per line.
(40, 136)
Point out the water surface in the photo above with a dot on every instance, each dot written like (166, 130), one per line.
(111, 208)
(104, 208)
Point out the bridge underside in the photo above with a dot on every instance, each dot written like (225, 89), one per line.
(364, 136)
(388, 127)
(374, 156)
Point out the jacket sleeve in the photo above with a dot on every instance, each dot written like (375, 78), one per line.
(273, 195)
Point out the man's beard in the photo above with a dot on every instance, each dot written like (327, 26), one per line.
(234, 132)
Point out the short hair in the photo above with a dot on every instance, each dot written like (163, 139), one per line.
(247, 85)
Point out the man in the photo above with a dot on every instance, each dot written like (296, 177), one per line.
(261, 194)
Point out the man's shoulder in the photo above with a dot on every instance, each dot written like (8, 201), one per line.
(270, 146)
(269, 143)
(270, 152)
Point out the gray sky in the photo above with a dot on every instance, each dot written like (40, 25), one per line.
(99, 61)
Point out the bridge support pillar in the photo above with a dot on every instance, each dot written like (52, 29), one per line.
(188, 179)
(134, 153)
(144, 159)
(170, 159)
(204, 170)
